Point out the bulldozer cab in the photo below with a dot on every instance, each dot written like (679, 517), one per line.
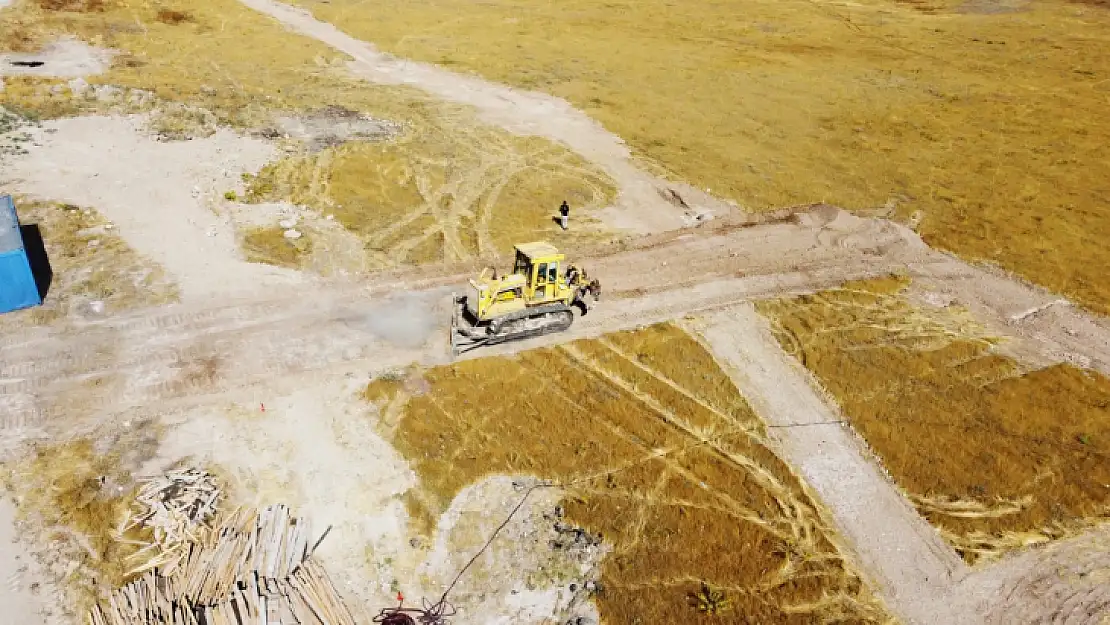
(540, 264)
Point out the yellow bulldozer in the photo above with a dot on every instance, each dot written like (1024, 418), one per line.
(538, 297)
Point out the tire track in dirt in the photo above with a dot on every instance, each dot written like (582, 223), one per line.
(1065, 582)
(913, 567)
(640, 203)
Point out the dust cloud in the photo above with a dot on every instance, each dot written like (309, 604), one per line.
(406, 320)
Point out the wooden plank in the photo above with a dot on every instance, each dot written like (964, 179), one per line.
(342, 612)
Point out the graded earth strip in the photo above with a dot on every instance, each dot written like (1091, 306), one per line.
(913, 568)
(640, 206)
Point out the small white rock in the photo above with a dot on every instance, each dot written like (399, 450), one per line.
(97, 307)
(109, 226)
(78, 86)
(94, 242)
(287, 223)
(292, 234)
(330, 217)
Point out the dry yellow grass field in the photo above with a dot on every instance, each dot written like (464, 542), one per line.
(994, 456)
(669, 464)
(89, 263)
(989, 122)
(450, 186)
(264, 244)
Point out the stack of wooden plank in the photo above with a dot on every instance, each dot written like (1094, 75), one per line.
(175, 507)
(251, 569)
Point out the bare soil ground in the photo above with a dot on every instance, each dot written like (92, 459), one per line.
(94, 272)
(262, 371)
(26, 591)
(172, 213)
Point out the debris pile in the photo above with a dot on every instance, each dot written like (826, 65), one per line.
(251, 567)
(175, 508)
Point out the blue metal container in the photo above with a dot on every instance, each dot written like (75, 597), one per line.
(18, 288)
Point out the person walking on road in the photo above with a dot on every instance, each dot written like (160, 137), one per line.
(564, 214)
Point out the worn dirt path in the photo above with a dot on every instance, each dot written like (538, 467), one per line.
(153, 355)
(1066, 582)
(639, 206)
(914, 567)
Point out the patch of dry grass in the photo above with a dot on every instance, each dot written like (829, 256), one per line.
(173, 16)
(268, 245)
(89, 263)
(73, 496)
(994, 456)
(688, 490)
(992, 125)
(449, 187)
(177, 122)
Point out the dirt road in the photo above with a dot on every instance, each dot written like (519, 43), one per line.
(180, 350)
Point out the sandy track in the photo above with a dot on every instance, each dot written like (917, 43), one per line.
(914, 567)
(24, 590)
(639, 207)
(1066, 582)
